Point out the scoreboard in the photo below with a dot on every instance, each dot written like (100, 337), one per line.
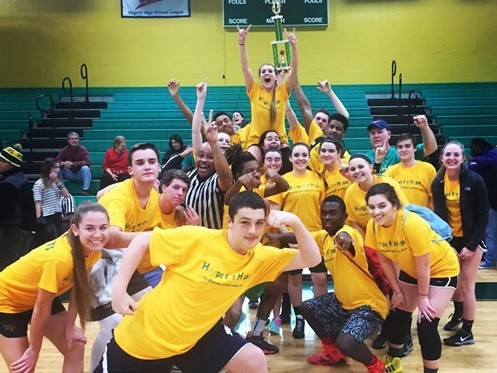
(258, 13)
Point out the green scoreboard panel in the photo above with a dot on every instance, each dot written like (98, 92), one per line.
(258, 13)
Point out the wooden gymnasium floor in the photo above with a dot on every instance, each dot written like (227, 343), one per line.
(480, 357)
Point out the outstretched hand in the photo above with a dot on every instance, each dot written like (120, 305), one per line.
(381, 151)
(201, 90)
(210, 132)
(420, 121)
(343, 242)
(290, 36)
(324, 86)
(173, 87)
(242, 34)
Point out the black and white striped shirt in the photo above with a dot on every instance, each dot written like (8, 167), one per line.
(205, 197)
(49, 198)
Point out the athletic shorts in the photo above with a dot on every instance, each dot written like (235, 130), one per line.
(15, 325)
(438, 282)
(255, 292)
(209, 355)
(320, 268)
(360, 323)
(458, 244)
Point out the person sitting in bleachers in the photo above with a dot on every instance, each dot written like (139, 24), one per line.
(115, 163)
(173, 157)
(75, 162)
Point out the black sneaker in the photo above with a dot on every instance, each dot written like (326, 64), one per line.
(380, 342)
(454, 322)
(460, 338)
(407, 348)
(298, 331)
(253, 304)
(261, 342)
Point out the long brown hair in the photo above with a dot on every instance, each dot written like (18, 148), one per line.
(46, 169)
(81, 283)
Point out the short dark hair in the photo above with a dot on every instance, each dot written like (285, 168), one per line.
(219, 113)
(174, 174)
(341, 118)
(247, 199)
(406, 136)
(335, 199)
(141, 146)
(387, 190)
(325, 112)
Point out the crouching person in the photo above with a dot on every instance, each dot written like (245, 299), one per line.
(345, 318)
(180, 321)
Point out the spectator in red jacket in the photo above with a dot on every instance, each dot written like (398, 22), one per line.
(115, 163)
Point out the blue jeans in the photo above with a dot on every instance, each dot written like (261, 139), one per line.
(491, 239)
(84, 174)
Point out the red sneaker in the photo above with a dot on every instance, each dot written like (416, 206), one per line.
(322, 358)
(376, 367)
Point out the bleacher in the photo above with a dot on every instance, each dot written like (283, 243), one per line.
(465, 113)
(459, 111)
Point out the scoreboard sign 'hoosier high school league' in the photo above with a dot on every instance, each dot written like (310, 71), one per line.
(258, 13)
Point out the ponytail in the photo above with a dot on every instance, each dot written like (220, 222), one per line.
(272, 107)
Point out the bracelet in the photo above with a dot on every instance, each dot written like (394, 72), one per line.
(241, 44)
(60, 186)
(423, 295)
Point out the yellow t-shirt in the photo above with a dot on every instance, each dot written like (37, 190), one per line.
(335, 183)
(452, 190)
(203, 278)
(260, 102)
(353, 287)
(298, 133)
(48, 267)
(240, 136)
(355, 199)
(125, 212)
(404, 240)
(168, 220)
(303, 198)
(415, 181)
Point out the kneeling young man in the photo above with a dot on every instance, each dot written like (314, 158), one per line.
(180, 321)
(345, 318)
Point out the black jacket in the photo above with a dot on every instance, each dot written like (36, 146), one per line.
(473, 204)
(17, 207)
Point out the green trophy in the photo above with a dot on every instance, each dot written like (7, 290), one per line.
(281, 47)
